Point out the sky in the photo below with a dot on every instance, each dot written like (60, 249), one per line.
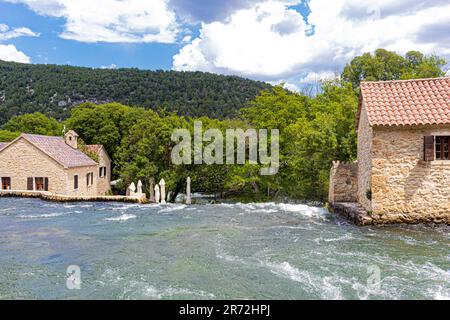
(290, 41)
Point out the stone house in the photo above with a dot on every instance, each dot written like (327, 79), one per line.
(54, 164)
(403, 169)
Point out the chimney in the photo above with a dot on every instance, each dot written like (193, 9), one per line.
(71, 139)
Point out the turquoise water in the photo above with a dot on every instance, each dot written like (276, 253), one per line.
(223, 251)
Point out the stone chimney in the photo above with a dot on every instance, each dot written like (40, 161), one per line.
(71, 139)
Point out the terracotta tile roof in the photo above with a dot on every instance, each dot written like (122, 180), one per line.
(95, 148)
(407, 102)
(56, 148)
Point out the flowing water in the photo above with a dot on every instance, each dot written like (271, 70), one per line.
(221, 251)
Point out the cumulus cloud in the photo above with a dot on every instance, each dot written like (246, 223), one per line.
(7, 33)
(10, 53)
(125, 21)
(271, 41)
(209, 10)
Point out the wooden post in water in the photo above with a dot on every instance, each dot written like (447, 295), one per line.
(152, 189)
(156, 193)
(162, 184)
(188, 191)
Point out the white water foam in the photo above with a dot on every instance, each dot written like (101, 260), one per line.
(320, 285)
(172, 208)
(43, 216)
(123, 217)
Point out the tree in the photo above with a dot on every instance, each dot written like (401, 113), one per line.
(35, 123)
(7, 136)
(105, 124)
(386, 65)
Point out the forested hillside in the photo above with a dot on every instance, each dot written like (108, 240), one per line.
(53, 90)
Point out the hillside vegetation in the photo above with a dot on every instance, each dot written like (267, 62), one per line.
(53, 90)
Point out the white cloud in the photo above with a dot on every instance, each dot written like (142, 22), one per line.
(448, 73)
(7, 33)
(270, 41)
(10, 53)
(126, 21)
(111, 66)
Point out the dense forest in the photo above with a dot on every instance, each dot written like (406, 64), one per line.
(53, 90)
(314, 131)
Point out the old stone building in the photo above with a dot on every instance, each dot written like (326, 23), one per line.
(54, 164)
(403, 168)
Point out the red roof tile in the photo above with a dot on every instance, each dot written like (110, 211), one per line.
(56, 148)
(407, 102)
(95, 148)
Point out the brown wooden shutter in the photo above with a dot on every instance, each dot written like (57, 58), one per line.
(428, 148)
(30, 184)
(46, 184)
(75, 182)
(87, 179)
(92, 178)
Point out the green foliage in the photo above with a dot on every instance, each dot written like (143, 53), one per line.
(104, 124)
(7, 136)
(386, 65)
(54, 90)
(35, 123)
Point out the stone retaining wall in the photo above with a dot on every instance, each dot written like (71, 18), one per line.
(343, 182)
(62, 198)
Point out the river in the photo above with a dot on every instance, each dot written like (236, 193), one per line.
(220, 251)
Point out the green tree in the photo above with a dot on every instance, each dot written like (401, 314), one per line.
(386, 65)
(7, 136)
(35, 123)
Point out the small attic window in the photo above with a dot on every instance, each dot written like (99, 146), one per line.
(70, 138)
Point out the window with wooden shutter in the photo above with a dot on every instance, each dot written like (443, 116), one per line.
(87, 179)
(428, 148)
(46, 184)
(6, 183)
(75, 181)
(39, 184)
(30, 186)
(92, 178)
(442, 147)
(100, 172)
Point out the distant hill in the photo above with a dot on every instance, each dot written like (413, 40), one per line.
(53, 90)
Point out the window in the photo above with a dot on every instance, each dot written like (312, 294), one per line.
(6, 183)
(89, 179)
(75, 182)
(436, 148)
(39, 184)
(442, 147)
(102, 172)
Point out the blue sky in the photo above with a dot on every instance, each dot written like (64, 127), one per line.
(289, 41)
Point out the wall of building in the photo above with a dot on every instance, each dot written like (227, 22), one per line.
(104, 183)
(22, 160)
(365, 134)
(343, 182)
(83, 188)
(403, 185)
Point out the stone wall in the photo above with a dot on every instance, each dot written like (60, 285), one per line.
(404, 187)
(22, 160)
(83, 188)
(104, 183)
(365, 134)
(343, 182)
